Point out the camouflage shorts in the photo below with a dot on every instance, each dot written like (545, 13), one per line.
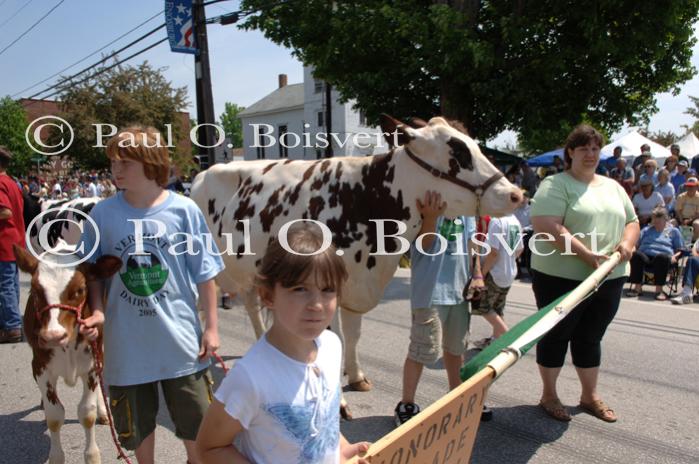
(492, 299)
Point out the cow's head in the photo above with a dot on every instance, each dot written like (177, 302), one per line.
(55, 281)
(441, 146)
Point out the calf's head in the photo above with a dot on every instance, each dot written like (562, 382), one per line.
(445, 148)
(55, 281)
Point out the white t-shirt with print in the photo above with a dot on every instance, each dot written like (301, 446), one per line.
(505, 236)
(645, 206)
(290, 411)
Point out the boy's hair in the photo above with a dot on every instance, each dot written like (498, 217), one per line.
(579, 137)
(5, 157)
(143, 144)
(287, 269)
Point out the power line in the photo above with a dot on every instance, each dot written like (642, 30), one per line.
(129, 45)
(15, 13)
(103, 70)
(31, 27)
(88, 56)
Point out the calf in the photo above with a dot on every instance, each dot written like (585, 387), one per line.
(347, 195)
(58, 294)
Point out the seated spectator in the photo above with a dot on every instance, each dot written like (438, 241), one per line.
(646, 201)
(671, 165)
(687, 207)
(558, 165)
(612, 160)
(624, 175)
(680, 177)
(530, 181)
(666, 190)
(650, 171)
(659, 246)
(640, 160)
(691, 272)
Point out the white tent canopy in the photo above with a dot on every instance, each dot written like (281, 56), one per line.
(689, 145)
(631, 146)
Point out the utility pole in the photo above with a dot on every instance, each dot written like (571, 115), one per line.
(328, 119)
(205, 99)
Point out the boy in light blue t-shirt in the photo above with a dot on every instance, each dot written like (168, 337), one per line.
(152, 333)
(440, 316)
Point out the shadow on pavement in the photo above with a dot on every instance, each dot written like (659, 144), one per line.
(527, 429)
(367, 428)
(30, 442)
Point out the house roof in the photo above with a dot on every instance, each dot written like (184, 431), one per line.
(282, 99)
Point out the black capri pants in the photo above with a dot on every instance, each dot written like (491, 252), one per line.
(583, 327)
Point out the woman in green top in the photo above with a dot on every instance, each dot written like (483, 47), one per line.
(587, 217)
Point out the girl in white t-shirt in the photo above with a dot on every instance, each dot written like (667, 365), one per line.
(280, 403)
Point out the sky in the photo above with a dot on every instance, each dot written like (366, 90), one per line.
(244, 64)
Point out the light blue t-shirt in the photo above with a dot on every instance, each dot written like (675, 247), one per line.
(440, 279)
(152, 330)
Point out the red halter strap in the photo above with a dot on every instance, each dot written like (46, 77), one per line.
(78, 310)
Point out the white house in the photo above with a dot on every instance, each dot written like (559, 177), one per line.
(291, 123)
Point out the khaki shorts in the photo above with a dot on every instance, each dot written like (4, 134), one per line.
(135, 407)
(447, 325)
(492, 298)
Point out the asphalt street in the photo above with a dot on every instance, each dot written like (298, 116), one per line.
(649, 375)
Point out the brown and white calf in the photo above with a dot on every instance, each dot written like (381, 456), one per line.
(58, 349)
(347, 195)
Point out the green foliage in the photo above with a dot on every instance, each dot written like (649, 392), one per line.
(694, 112)
(122, 96)
(232, 125)
(532, 67)
(13, 124)
(663, 138)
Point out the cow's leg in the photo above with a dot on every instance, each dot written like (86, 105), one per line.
(351, 328)
(87, 414)
(254, 313)
(55, 415)
(102, 418)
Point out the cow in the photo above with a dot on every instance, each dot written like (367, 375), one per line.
(346, 194)
(67, 225)
(58, 292)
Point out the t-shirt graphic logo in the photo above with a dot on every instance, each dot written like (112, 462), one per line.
(144, 274)
(449, 228)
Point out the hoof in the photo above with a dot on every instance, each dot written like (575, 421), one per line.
(345, 412)
(103, 420)
(361, 386)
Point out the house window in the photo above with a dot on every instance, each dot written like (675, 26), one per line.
(260, 149)
(321, 119)
(362, 118)
(319, 153)
(317, 85)
(283, 148)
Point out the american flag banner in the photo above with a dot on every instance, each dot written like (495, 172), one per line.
(180, 29)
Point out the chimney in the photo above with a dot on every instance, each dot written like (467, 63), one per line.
(282, 80)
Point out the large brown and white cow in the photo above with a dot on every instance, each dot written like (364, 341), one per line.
(58, 349)
(346, 194)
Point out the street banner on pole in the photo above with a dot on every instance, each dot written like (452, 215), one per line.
(180, 29)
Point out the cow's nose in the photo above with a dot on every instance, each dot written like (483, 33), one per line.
(516, 196)
(54, 336)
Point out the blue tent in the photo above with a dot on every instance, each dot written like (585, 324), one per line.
(546, 159)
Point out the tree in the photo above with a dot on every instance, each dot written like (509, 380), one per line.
(13, 123)
(525, 66)
(693, 112)
(663, 138)
(122, 96)
(232, 125)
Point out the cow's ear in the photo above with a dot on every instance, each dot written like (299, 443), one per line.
(395, 132)
(105, 267)
(417, 123)
(26, 261)
(460, 152)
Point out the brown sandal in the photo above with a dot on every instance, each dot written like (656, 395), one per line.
(555, 409)
(599, 409)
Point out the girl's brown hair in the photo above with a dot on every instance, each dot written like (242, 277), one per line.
(288, 269)
(579, 137)
(143, 144)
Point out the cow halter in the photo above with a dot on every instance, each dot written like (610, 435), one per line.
(78, 310)
(477, 190)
